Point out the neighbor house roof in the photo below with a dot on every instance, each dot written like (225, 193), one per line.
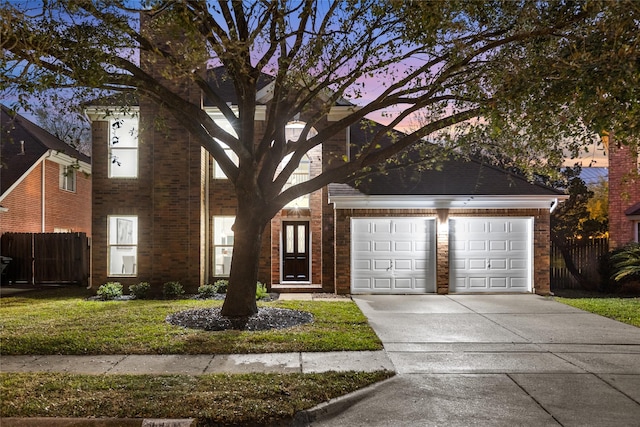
(23, 144)
(633, 210)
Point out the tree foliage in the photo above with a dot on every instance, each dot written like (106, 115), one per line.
(505, 61)
(69, 126)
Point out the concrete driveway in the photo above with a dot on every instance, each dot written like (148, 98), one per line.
(497, 360)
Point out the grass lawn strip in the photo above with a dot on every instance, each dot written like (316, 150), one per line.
(64, 322)
(626, 310)
(248, 399)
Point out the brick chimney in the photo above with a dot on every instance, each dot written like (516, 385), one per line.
(624, 192)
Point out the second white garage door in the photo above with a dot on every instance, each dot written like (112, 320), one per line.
(490, 254)
(392, 255)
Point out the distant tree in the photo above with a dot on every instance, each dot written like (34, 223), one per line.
(454, 60)
(573, 221)
(68, 126)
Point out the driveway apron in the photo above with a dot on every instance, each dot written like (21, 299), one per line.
(497, 360)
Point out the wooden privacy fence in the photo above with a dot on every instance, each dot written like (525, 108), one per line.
(39, 258)
(586, 254)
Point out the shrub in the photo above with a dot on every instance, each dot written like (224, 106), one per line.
(261, 291)
(140, 291)
(221, 286)
(625, 263)
(110, 291)
(207, 291)
(619, 267)
(172, 290)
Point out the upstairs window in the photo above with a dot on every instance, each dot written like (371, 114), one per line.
(217, 170)
(68, 178)
(123, 148)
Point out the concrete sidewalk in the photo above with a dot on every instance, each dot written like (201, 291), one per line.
(495, 360)
(365, 361)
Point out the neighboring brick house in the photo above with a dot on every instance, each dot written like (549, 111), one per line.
(161, 215)
(624, 195)
(45, 185)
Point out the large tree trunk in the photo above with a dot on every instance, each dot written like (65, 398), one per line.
(248, 228)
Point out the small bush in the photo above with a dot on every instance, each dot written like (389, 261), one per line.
(626, 264)
(221, 286)
(110, 291)
(140, 291)
(207, 291)
(261, 291)
(620, 267)
(172, 290)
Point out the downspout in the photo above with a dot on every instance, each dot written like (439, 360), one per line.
(554, 205)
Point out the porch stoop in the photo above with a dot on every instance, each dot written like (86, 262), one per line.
(295, 288)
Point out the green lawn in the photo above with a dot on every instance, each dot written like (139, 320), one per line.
(255, 399)
(64, 322)
(625, 310)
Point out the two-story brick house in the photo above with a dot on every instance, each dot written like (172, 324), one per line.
(45, 184)
(161, 214)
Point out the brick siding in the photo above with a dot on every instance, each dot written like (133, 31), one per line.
(624, 192)
(63, 209)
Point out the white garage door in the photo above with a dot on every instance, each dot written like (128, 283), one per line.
(490, 254)
(392, 255)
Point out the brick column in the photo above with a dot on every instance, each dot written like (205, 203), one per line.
(624, 192)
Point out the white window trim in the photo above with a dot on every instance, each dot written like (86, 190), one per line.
(133, 245)
(215, 247)
(65, 173)
(111, 147)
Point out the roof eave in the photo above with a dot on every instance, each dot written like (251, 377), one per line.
(446, 202)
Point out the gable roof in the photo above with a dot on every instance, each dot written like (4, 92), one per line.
(453, 182)
(16, 157)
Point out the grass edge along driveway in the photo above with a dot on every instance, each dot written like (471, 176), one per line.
(64, 322)
(626, 310)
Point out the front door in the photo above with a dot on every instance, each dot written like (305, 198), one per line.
(295, 251)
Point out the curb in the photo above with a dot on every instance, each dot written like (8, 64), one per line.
(94, 422)
(333, 407)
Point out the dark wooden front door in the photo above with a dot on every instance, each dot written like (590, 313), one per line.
(295, 248)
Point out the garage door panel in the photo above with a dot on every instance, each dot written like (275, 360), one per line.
(397, 257)
(475, 245)
(476, 282)
(490, 254)
(498, 264)
(518, 283)
(361, 284)
(497, 245)
(362, 246)
(382, 246)
(381, 227)
(404, 265)
(362, 264)
(381, 264)
(403, 246)
(405, 283)
(477, 264)
(382, 283)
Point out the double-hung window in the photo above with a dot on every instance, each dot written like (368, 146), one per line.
(123, 147)
(222, 244)
(123, 245)
(68, 178)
